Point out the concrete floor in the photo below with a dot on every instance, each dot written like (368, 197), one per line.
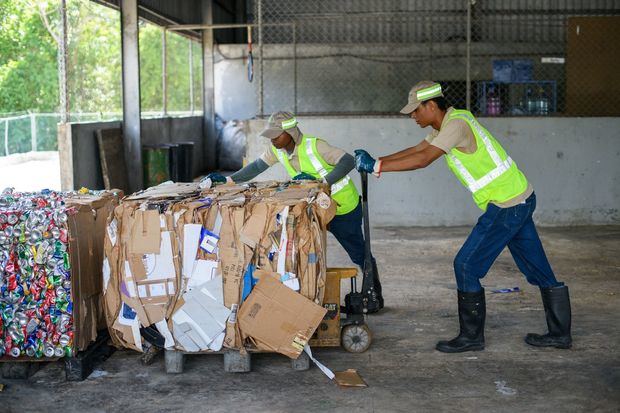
(403, 370)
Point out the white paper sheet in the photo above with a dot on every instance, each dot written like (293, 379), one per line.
(216, 345)
(160, 266)
(204, 271)
(191, 238)
(281, 267)
(162, 327)
(202, 318)
(320, 365)
(106, 274)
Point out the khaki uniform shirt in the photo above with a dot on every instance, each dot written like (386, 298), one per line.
(457, 134)
(329, 153)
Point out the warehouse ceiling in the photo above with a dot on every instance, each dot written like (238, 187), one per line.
(165, 13)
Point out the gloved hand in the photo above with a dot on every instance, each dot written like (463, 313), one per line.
(364, 162)
(304, 177)
(212, 179)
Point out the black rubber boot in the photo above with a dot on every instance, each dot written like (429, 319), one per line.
(557, 311)
(472, 312)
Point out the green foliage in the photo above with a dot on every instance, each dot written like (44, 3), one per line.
(28, 75)
(28, 60)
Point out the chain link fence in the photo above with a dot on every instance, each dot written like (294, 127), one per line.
(37, 132)
(497, 58)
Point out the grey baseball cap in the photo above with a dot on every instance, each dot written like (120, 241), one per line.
(424, 90)
(280, 122)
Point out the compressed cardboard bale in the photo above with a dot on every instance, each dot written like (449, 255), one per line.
(226, 234)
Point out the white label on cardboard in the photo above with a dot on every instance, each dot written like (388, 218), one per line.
(233, 314)
(106, 273)
(112, 231)
(209, 242)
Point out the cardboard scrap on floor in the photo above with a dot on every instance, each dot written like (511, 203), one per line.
(178, 258)
(349, 378)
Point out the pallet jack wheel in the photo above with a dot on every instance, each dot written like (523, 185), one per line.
(356, 338)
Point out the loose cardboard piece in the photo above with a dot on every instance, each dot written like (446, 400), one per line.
(280, 318)
(349, 378)
(145, 235)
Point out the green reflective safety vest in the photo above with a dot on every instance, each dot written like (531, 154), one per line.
(489, 173)
(343, 192)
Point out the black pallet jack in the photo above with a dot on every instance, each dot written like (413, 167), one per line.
(369, 299)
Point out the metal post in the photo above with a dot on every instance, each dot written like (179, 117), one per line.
(295, 67)
(260, 56)
(208, 85)
(62, 64)
(6, 137)
(131, 94)
(33, 132)
(468, 59)
(191, 77)
(164, 71)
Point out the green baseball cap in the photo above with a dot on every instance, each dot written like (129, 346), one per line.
(424, 90)
(279, 122)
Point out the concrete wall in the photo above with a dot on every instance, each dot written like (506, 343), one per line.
(79, 152)
(573, 164)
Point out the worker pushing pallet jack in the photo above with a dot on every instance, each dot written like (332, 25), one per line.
(306, 157)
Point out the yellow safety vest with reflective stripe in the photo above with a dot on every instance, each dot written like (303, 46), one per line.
(489, 173)
(343, 192)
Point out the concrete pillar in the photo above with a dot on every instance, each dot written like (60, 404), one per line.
(174, 361)
(235, 362)
(131, 93)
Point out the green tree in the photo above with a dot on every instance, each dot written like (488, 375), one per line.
(28, 68)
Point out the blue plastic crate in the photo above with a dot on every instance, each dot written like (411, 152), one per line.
(502, 71)
(522, 70)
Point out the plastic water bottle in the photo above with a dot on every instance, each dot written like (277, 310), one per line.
(493, 103)
(543, 103)
(530, 102)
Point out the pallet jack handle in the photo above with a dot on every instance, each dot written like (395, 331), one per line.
(368, 284)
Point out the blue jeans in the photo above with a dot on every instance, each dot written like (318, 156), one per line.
(347, 229)
(496, 229)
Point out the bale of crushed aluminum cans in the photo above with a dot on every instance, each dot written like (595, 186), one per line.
(50, 270)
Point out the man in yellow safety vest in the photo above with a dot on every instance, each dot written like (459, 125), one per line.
(499, 189)
(307, 157)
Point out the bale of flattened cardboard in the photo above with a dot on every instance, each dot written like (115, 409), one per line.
(86, 234)
(236, 266)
